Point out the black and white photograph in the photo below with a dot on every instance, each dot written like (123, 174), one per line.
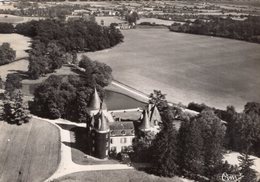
(129, 90)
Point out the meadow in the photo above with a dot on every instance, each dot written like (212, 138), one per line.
(19, 43)
(29, 152)
(116, 176)
(203, 69)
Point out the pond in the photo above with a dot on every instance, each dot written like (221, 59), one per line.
(116, 101)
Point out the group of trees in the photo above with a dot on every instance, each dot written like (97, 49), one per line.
(68, 96)
(78, 35)
(196, 149)
(7, 54)
(6, 28)
(56, 42)
(14, 109)
(248, 30)
(243, 129)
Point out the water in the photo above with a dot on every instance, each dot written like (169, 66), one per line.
(115, 101)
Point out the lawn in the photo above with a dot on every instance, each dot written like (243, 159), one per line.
(5, 18)
(115, 176)
(216, 71)
(19, 43)
(156, 21)
(29, 152)
(108, 20)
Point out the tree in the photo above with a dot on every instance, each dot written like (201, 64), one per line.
(1, 83)
(13, 82)
(158, 98)
(164, 150)
(100, 73)
(132, 17)
(7, 54)
(14, 110)
(213, 133)
(142, 147)
(245, 168)
(6, 28)
(190, 148)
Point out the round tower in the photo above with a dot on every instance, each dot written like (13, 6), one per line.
(100, 136)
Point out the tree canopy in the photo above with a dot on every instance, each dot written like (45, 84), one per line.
(248, 30)
(7, 54)
(68, 96)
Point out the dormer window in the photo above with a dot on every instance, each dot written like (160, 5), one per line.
(112, 133)
(123, 132)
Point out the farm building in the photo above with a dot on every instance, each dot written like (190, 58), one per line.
(114, 131)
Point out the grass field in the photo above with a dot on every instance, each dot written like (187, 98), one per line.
(186, 67)
(156, 21)
(10, 18)
(29, 152)
(19, 43)
(108, 20)
(115, 176)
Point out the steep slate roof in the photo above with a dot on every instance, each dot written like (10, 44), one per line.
(127, 115)
(145, 123)
(155, 115)
(101, 122)
(122, 128)
(95, 101)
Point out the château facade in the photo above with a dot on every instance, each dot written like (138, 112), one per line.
(115, 130)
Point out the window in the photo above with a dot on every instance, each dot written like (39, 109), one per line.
(113, 148)
(123, 140)
(123, 132)
(106, 152)
(112, 133)
(111, 140)
(107, 136)
(93, 149)
(123, 148)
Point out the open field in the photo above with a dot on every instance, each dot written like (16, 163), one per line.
(29, 152)
(7, 18)
(19, 43)
(10, 18)
(186, 67)
(115, 176)
(108, 20)
(156, 21)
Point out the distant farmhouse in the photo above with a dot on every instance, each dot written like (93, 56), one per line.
(114, 131)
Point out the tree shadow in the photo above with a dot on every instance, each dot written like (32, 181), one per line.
(78, 136)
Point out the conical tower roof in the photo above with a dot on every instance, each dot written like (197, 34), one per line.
(102, 123)
(92, 123)
(145, 124)
(155, 115)
(95, 101)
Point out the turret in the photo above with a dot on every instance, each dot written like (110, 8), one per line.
(95, 102)
(155, 117)
(145, 123)
(100, 136)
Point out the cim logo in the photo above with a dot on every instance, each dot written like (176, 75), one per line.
(231, 177)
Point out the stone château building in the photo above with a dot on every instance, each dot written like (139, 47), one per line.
(114, 131)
